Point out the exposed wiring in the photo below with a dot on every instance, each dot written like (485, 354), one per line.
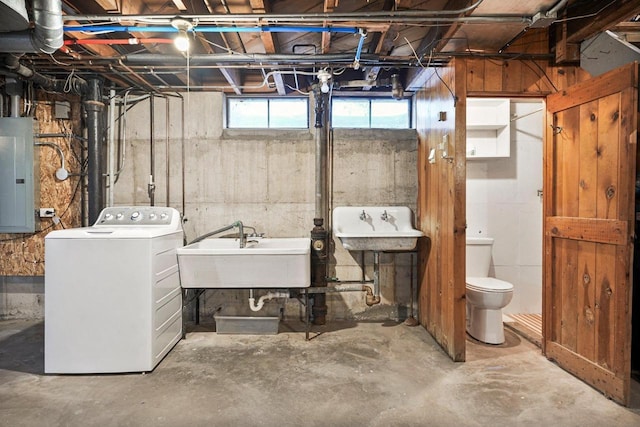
(590, 15)
(414, 52)
(455, 98)
(297, 90)
(24, 236)
(435, 69)
(542, 73)
(67, 84)
(58, 62)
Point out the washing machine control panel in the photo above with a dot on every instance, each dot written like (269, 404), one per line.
(138, 215)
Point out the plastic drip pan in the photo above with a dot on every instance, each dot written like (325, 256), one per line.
(247, 325)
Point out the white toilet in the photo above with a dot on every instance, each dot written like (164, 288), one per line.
(486, 296)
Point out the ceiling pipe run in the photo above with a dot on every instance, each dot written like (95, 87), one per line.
(385, 16)
(47, 35)
(213, 59)
(328, 18)
(206, 29)
(131, 41)
(11, 62)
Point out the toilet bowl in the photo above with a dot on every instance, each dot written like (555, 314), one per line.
(486, 296)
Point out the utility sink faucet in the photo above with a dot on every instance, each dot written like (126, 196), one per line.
(363, 216)
(384, 216)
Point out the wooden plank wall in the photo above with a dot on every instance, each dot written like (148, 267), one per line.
(442, 186)
(441, 208)
(23, 254)
(521, 77)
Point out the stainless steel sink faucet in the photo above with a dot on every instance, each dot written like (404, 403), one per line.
(363, 216)
(384, 216)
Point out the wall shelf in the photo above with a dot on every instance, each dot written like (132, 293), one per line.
(488, 128)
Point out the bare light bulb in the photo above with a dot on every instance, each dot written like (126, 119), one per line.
(181, 41)
(324, 76)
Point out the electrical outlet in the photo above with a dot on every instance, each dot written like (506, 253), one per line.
(47, 212)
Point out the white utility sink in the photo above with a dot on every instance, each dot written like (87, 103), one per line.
(375, 228)
(267, 263)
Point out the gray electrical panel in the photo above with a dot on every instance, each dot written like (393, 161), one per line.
(17, 187)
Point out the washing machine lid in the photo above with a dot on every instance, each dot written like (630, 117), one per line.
(127, 222)
(111, 233)
(488, 284)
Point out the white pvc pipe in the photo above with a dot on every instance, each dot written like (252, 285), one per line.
(264, 298)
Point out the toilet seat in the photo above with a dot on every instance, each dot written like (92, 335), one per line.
(488, 284)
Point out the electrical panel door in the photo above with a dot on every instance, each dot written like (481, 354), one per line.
(17, 204)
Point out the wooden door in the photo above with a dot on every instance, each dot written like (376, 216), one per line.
(589, 181)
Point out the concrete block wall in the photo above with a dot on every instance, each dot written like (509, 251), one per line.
(265, 178)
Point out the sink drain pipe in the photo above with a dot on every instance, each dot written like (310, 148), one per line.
(264, 298)
(373, 295)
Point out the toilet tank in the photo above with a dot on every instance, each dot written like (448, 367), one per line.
(478, 256)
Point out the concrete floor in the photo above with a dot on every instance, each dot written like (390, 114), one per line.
(352, 374)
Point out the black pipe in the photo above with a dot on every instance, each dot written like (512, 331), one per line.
(75, 85)
(319, 235)
(94, 107)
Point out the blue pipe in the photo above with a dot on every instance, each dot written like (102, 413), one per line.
(211, 29)
(363, 36)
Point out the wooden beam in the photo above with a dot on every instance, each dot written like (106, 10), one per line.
(259, 6)
(269, 42)
(372, 74)
(608, 14)
(437, 37)
(629, 31)
(280, 86)
(233, 77)
(328, 7)
(565, 51)
(216, 43)
(417, 77)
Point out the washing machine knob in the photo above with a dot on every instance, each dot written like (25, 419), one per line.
(119, 215)
(136, 216)
(108, 216)
(163, 216)
(152, 216)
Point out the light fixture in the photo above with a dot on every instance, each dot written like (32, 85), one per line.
(323, 77)
(181, 41)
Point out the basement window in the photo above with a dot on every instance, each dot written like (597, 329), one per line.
(375, 113)
(265, 113)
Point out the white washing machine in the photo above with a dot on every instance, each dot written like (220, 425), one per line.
(113, 301)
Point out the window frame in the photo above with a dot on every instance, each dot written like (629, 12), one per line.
(228, 98)
(372, 99)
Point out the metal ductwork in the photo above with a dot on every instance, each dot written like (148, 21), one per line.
(605, 52)
(46, 37)
(13, 15)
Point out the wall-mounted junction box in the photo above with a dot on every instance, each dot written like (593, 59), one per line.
(17, 185)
